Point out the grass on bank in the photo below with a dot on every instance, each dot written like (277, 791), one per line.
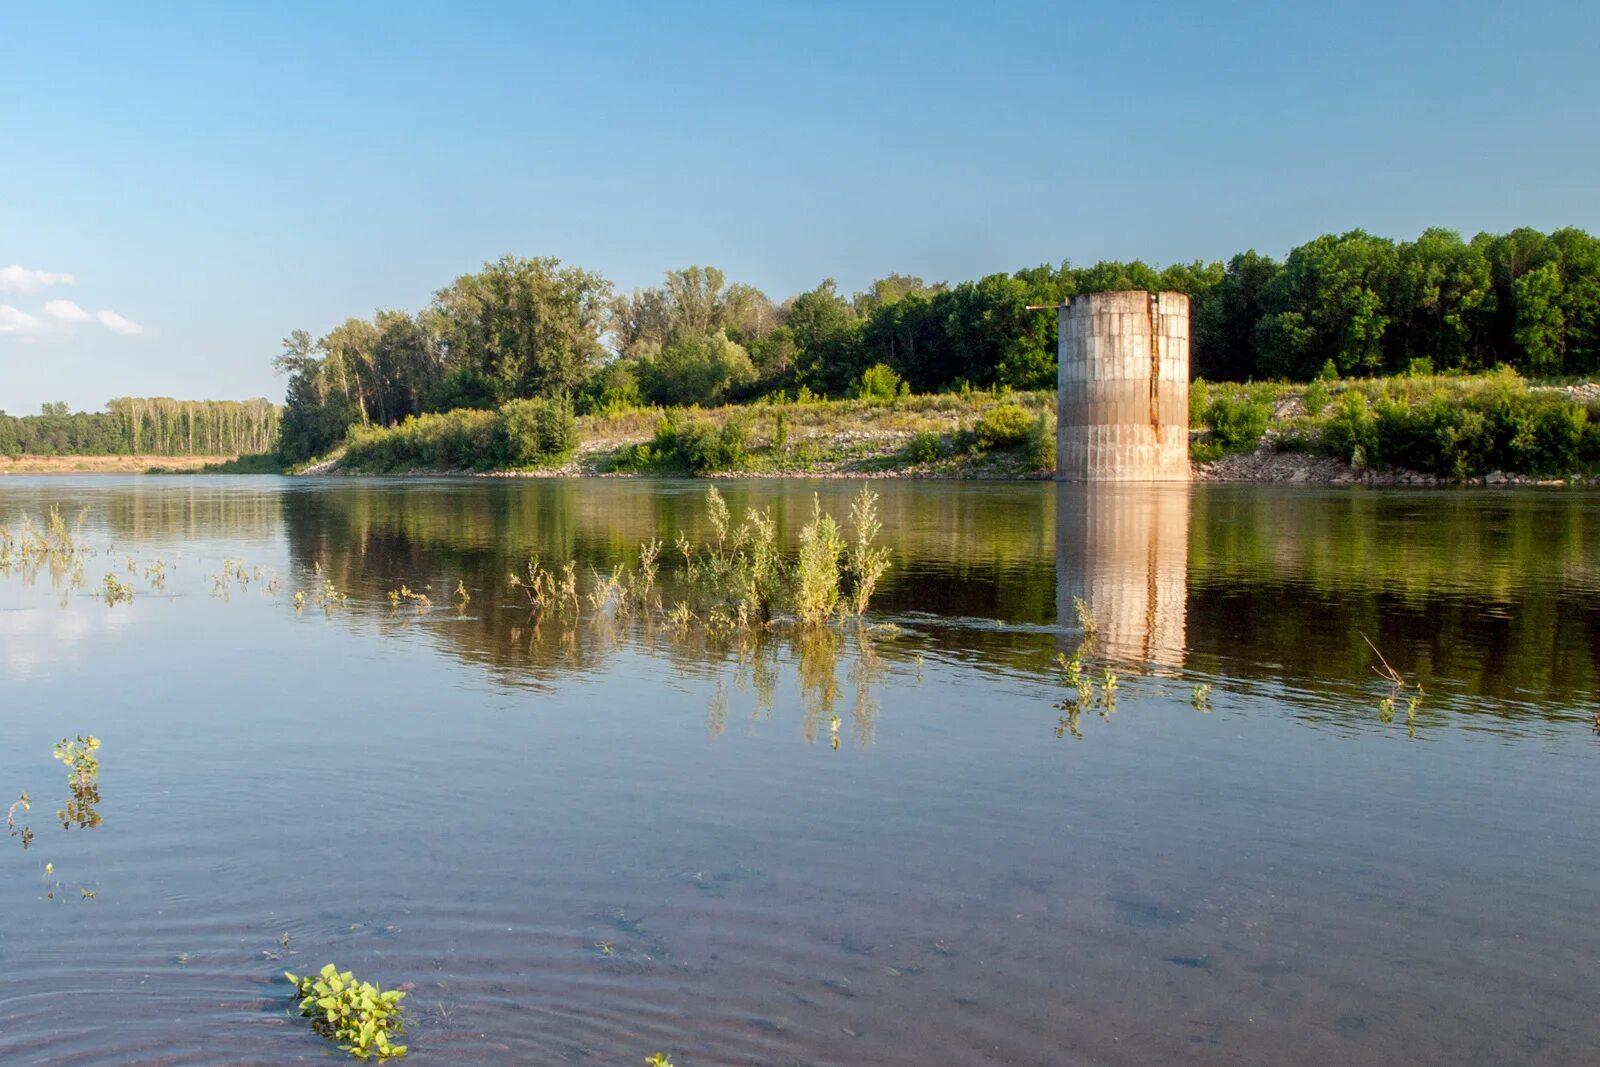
(1459, 427)
(937, 434)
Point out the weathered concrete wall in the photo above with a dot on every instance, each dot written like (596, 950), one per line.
(1124, 549)
(1123, 388)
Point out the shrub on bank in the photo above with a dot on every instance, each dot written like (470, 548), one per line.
(925, 446)
(1042, 442)
(1003, 426)
(521, 434)
(1237, 422)
(685, 445)
(1501, 426)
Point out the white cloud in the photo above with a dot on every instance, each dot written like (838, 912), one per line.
(65, 310)
(116, 323)
(20, 279)
(58, 318)
(18, 322)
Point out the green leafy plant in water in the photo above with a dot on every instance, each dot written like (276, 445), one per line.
(24, 802)
(865, 562)
(358, 1015)
(816, 591)
(84, 767)
(544, 589)
(660, 1059)
(79, 756)
(1085, 618)
(1397, 689)
(409, 595)
(1201, 697)
(117, 591)
(1077, 678)
(740, 570)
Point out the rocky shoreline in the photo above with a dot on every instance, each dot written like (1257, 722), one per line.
(1268, 465)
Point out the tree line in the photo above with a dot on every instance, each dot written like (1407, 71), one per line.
(1346, 304)
(159, 426)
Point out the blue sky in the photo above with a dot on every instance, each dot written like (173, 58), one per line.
(216, 175)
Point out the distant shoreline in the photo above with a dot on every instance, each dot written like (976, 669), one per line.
(136, 464)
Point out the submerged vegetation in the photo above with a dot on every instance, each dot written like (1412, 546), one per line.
(80, 810)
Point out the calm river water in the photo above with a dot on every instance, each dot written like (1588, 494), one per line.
(588, 842)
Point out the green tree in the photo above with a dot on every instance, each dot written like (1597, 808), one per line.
(826, 331)
(1540, 324)
(695, 369)
(530, 327)
(1224, 318)
(1326, 303)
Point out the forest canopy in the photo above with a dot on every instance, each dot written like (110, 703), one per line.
(153, 426)
(1351, 304)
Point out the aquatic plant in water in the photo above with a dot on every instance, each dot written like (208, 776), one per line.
(79, 756)
(405, 593)
(543, 589)
(1085, 618)
(1397, 689)
(117, 591)
(24, 802)
(84, 767)
(866, 562)
(361, 1017)
(816, 584)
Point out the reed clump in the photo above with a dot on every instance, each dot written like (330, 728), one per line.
(738, 578)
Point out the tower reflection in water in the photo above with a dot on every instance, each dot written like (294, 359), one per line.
(1124, 549)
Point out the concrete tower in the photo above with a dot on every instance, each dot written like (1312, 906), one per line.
(1122, 399)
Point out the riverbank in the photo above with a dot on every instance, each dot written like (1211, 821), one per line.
(964, 436)
(138, 464)
(1268, 465)
(1492, 429)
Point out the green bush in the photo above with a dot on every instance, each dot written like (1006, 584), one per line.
(523, 433)
(536, 432)
(1298, 435)
(1003, 426)
(1503, 426)
(1237, 423)
(684, 446)
(1351, 433)
(1042, 443)
(1198, 399)
(925, 446)
(1316, 397)
(1204, 451)
(879, 382)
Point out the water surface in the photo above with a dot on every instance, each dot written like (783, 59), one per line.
(584, 842)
